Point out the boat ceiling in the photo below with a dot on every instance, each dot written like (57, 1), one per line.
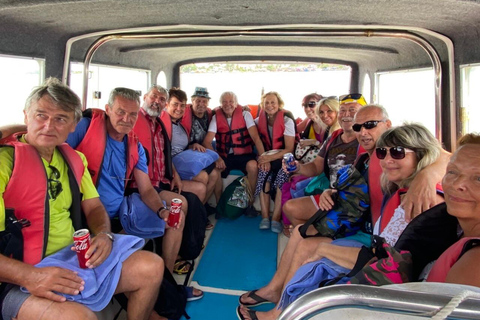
(41, 28)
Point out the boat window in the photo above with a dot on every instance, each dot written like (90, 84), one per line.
(102, 79)
(162, 79)
(408, 96)
(248, 81)
(18, 77)
(469, 110)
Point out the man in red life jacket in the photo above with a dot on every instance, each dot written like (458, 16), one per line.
(179, 134)
(154, 138)
(42, 191)
(115, 157)
(236, 134)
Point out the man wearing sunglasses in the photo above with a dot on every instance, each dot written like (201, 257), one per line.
(48, 186)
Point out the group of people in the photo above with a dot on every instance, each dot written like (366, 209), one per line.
(84, 164)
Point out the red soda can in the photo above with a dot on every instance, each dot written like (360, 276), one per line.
(174, 215)
(81, 241)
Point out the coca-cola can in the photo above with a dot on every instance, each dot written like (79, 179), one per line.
(81, 241)
(174, 215)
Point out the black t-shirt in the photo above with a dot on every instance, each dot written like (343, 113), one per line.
(338, 155)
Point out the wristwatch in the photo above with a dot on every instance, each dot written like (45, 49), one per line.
(109, 234)
(317, 143)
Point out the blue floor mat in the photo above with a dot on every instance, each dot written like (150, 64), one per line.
(238, 256)
(215, 306)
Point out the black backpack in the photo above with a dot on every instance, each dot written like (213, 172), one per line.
(171, 300)
(194, 231)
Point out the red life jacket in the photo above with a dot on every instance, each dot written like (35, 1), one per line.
(390, 204)
(235, 136)
(276, 141)
(448, 258)
(167, 122)
(374, 187)
(142, 130)
(95, 141)
(187, 118)
(27, 194)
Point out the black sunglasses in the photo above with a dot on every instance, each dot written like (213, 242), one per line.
(311, 104)
(354, 96)
(54, 185)
(396, 153)
(370, 124)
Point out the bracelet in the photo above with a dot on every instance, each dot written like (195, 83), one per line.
(164, 207)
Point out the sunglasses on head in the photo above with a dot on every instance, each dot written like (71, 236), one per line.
(396, 153)
(370, 124)
(54, 185)
(354, 96)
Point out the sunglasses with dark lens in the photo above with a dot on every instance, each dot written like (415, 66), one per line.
(396, 153)
(367, 125)
(354, 96)
(54, 185)
(311, 104)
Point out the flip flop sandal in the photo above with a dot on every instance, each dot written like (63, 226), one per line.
(251, 313)
(252, 295)
(181, 267)
(191, 296)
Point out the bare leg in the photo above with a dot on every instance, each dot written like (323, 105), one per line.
(299, 210)
(201, 177)
(169, 195)
(44, 309)
(212, 183)
(142, 274)
(172, 239)
(277, 209)
(198, 188)
(218, 188)
(252, 172)
(265, 202)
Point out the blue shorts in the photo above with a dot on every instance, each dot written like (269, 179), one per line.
(12, 299)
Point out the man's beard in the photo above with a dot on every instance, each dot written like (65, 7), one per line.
(152, 113)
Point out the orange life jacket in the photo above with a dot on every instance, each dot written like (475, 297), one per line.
(235, 136)
(27, 193)
(95, 141)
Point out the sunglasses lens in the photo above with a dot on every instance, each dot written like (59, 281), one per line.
(370, 124)
(381, 153)
(311, 104)
(357, 127)
(397, 153)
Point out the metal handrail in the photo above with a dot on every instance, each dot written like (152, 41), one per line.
(383, 299)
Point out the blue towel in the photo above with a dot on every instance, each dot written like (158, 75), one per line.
(139, 220)
(189, 163)
(308, 277)
(100, 282)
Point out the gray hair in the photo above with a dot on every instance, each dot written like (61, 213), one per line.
(61, 95)
(159, 88)
(126, 93)
(413, 136)
(382, 109)
(228, 93)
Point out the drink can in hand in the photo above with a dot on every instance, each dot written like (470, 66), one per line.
(81, 241)
(290, 163)
(174, 215)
